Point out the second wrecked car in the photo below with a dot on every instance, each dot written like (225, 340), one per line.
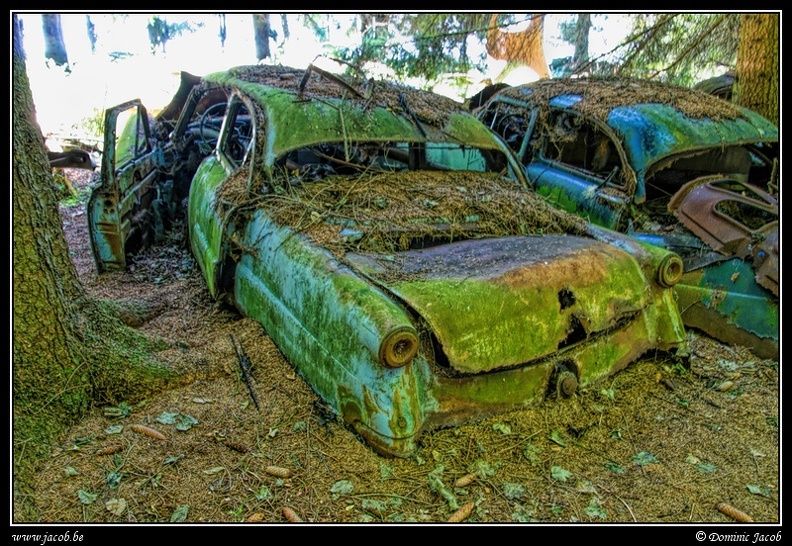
(387, 243)
(675, 167)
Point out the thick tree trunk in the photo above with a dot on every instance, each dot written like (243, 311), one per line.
(582, 29)
(68, 351)
(47, 292)
(758, 64)
(90, 28)
(285, 25)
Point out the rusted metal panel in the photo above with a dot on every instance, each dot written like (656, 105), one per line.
(717, 210)
(329, 320)
(119, 209)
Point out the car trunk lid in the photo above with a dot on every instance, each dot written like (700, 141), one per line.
(501, 302)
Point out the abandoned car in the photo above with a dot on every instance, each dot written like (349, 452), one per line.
(675, 167)
(387, 242)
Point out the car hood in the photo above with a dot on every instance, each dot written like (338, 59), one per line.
(502, 302)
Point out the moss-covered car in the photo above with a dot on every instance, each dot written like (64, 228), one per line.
(676, 167)
(387, 243)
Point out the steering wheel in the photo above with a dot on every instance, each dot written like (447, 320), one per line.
(511, 130)
(210, 134)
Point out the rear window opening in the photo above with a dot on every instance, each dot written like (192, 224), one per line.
(392, 211)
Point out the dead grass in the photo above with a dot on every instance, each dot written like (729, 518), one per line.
(655, 444)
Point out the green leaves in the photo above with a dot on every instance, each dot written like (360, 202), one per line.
(437, 485)
(557, 438)
(118, 412)
(86, 497)
(264, 493)
(114, 429)
(502, 428)
(513, 491)
(643, 458)
(560, 473)
(117, 507)
(762, 490)
(113, 479)
(341, 487)
(704, 468)
(595, 511)
(181, 420)
(608, 393)
(531, 452)
(180, 514)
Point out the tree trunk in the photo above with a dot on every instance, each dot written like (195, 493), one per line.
(758, 65)
(525, 47)
(261, 30)
(285, 25)
(582, 29)
(68, 351)
(54, 47)
(223, 30)
(91, 30)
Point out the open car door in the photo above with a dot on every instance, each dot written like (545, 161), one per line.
(120, 207)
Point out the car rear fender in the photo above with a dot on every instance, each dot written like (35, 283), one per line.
(208, 216)
(723, 301)
(330, 323)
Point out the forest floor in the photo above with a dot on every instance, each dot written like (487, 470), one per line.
(657, 443)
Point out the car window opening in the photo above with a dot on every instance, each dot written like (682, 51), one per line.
(668, 176)
(583, 147)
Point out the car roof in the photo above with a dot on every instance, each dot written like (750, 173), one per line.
(653, 120)
(311, 106)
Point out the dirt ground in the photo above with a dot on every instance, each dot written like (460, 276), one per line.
(657, 443)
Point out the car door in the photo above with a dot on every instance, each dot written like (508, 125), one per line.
(120, 216)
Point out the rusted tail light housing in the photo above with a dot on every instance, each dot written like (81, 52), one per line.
(399, 347)
(670, 270)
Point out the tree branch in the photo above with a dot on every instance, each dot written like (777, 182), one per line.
(705, 33)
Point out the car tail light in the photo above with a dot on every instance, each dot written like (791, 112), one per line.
(399, 347)
(670, 271)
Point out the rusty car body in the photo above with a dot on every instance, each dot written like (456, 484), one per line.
(388, 244)
(676, 167)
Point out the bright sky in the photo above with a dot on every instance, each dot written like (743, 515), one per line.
(97, 81)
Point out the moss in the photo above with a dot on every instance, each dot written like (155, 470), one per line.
(109, 363)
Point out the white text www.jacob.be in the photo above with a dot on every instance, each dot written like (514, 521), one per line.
(45, 538)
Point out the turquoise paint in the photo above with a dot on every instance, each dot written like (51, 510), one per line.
(329, 319)
(649, 133)
(730, 288)
(652, 132)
